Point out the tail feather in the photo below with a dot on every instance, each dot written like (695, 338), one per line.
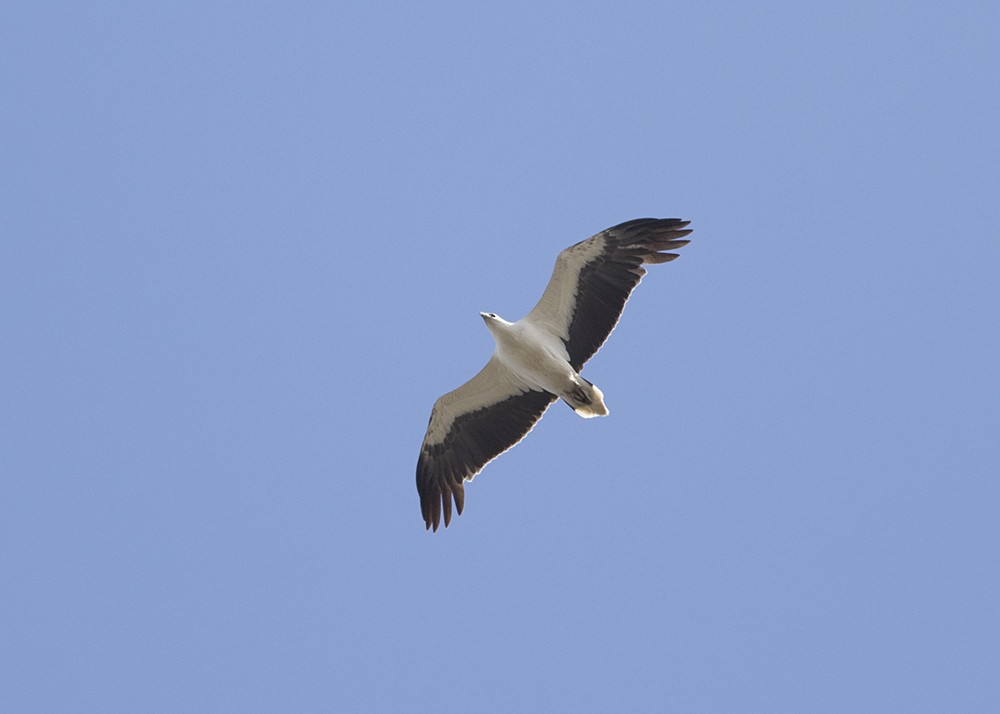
(587, 401)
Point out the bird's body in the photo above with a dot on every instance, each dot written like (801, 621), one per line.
(538, 359)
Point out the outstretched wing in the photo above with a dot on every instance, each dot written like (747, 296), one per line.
(593, 279)
(469, 427)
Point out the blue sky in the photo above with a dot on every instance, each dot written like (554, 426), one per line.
(244, 249)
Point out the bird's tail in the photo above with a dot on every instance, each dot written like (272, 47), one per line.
(587, 400)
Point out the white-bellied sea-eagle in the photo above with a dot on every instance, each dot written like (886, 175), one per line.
(538, 359)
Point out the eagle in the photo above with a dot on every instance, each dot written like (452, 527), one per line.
(537, 359)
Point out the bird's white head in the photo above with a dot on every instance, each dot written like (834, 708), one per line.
(493, 321)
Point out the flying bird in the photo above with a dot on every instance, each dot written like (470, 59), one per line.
(538, 359)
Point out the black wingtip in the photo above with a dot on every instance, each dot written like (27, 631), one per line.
(433, 503)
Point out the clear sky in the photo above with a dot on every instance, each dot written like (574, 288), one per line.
(244, 249)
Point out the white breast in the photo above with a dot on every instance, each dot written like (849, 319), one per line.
(536, 355)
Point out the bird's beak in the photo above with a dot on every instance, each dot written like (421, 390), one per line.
(482, 315)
